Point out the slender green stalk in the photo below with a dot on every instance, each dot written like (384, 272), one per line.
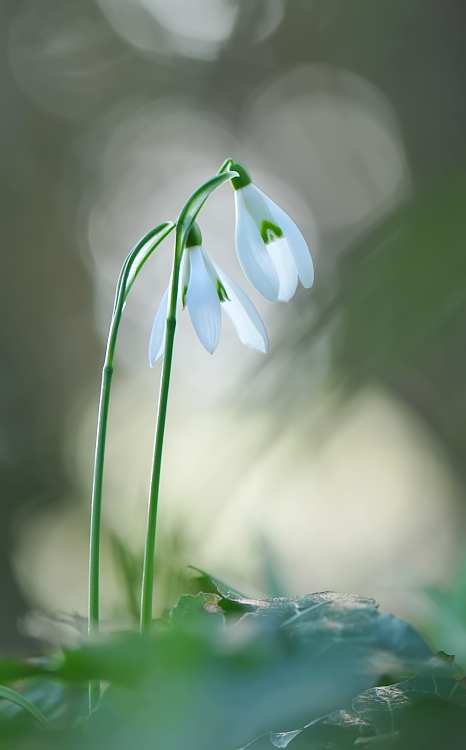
(130, 270)
(149, 551)
(20, 700)
(183, 227)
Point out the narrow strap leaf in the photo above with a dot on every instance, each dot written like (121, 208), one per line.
(20, 700)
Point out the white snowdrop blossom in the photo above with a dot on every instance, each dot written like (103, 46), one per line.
(271, 249)
(206, 290)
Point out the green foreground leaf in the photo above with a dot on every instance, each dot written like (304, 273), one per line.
(22, 702)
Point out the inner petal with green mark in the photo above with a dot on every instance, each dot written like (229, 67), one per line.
(270, 232)
(221, 292)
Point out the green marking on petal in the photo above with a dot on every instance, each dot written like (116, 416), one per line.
(221, 292)
(183, 296)
(270, 232)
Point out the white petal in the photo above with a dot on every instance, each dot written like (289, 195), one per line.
(203, 303)
(256, 204)
(286, 268)
(252, 253)
(210, 266)
(243, 315)
(157, 336)
(296, 241)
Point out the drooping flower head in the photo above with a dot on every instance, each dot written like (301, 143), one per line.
(206, 290)
(271, 249)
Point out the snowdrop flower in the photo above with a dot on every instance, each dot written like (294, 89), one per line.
(271, 250)
(205, 290)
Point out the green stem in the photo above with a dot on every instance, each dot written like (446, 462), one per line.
(225, 166)
(125, 282)
(183, 226)
(149, 552)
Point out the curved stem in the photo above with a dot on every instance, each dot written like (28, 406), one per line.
(225, 166)
(123, 286)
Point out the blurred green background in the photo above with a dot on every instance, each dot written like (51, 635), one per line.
(337, 462)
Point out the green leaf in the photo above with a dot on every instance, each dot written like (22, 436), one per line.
(139, 255)
(62, 705)
(325, 617)
(379, 712)
(212, 584)
(206, 693)
(12, 670)
(383, 706)
(20, 700)
(197, 612)
(285, 663)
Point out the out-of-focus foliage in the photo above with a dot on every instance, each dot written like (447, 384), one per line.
(205, 679)
(403, 291)
(325, 615)
(401, 296)
(446, 622)
(426, 711)
(403, 308)
(398, 309)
